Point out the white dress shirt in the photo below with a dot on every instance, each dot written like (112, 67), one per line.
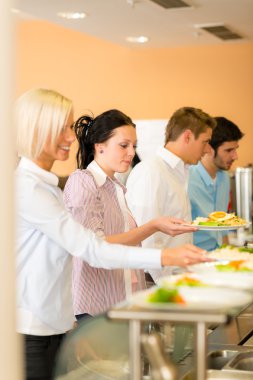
(46, 237)
(156, 187)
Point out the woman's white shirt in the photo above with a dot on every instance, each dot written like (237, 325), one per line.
(46, 237)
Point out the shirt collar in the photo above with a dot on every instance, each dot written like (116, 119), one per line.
(172, 160)
(33, 168)
(100, 176)
(204, 174)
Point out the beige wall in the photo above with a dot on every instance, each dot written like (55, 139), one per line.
(145, 83)
(10, 345)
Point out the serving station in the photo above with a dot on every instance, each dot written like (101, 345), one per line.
(207, 333)
(232, 327)
(204, 332)
(130, 343)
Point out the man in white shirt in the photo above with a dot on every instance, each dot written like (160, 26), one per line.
(158, 185)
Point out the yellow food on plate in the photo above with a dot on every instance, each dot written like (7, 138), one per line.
(219, 218)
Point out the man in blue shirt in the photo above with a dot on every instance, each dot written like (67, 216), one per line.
(209, 183)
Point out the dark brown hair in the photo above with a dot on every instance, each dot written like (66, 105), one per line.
(225, 131)
(91, 131)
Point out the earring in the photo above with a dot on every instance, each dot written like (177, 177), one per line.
(101, 151)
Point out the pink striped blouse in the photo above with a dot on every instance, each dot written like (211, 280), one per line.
(98, 203)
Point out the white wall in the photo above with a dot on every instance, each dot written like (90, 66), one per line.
(150, 135)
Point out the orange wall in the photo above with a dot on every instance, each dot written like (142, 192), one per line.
(145, 83)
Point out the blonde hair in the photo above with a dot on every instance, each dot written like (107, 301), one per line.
(39, 113)
(191, 118)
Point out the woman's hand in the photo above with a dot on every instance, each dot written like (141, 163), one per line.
(165, 224)
(183, 256)
(173, 226)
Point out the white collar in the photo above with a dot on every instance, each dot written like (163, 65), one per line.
(45, 175)
(170, 158)
(101, 177)
(97, 172)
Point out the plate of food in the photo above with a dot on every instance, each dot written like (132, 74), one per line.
(227, 279)
(219, 220)
(191, 298)
(231, 252)
(184, 279)
(233, 280)
(221, 266)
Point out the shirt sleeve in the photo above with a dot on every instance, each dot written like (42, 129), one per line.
(144, 197)
(43, 208)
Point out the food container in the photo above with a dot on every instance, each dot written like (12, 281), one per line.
(242, 361)
(243, 183)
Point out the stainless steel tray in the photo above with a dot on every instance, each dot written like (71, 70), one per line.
(219, 358)
(242, 361)
(220, 375)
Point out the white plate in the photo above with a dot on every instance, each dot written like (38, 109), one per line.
(197, 298)
(210, 267)
(168, 281)
(222, 279)
(235, 280)
(207, 268)
(221, 228)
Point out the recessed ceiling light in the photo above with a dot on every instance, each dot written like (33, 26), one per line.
(72, 15)
(140, 39)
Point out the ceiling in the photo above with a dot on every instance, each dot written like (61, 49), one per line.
(114, 20)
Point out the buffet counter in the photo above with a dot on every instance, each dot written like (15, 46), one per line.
(131, 342)
(225, 352)
(190, 326)
(229, 350)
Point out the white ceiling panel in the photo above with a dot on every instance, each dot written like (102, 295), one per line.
(114, 20)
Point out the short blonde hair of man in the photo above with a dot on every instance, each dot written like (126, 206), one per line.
(190, 118)
(39, 113)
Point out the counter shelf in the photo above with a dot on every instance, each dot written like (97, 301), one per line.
(198, 318)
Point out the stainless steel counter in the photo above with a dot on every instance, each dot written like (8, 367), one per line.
(229, 350)
(235, 327)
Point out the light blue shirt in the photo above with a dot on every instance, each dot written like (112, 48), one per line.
(206, 196)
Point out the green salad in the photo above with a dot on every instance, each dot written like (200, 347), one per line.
(164, 295)
(211, 223)
(240, 249)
